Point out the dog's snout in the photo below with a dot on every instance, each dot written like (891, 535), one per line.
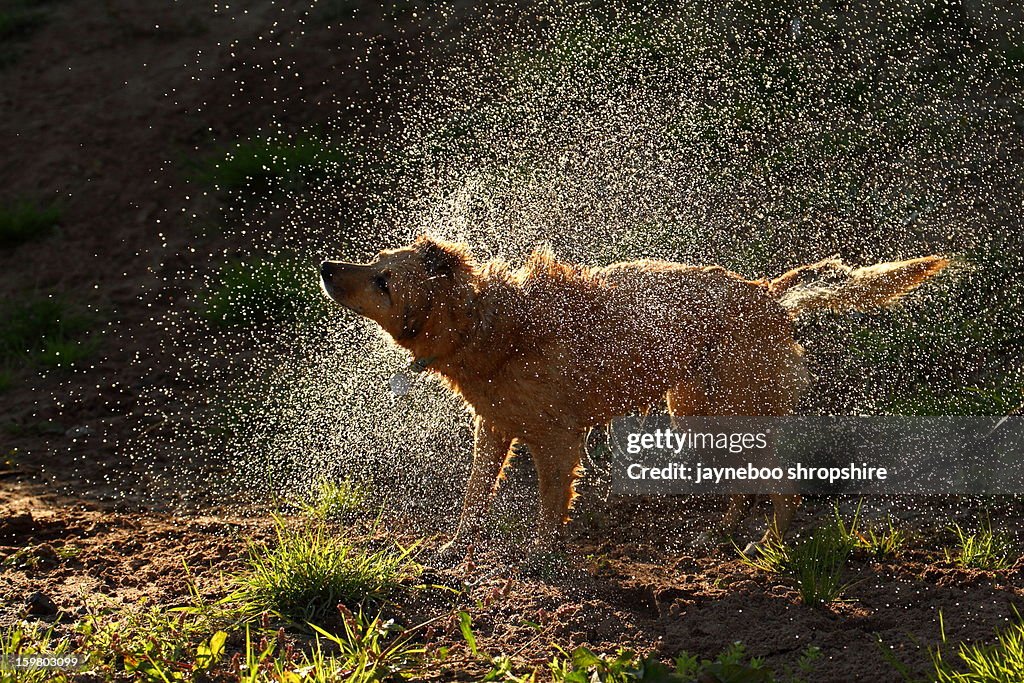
(325, 269)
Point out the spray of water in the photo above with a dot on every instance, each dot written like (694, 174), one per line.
(757, 135)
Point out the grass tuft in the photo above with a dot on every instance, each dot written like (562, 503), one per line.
(43, 331)
(309, 572)
(878, 541)
(1000, 661)
(814, 564)
(883, 542)
(264, 292)
(25, 639)
(368, 650)
(334, 500)
(983, 548)
(25, 221)
(817, 564)
(260, 166)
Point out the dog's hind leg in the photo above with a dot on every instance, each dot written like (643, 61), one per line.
(557, 459)
(784, 506)
(764, 380)
(756, 379)
(690, 399)
(490, 453)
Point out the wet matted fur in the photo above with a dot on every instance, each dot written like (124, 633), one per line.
(543, 352)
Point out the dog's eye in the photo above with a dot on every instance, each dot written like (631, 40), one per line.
(382, 284)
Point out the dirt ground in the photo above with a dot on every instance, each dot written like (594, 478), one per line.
(627, 592)
(103, 100)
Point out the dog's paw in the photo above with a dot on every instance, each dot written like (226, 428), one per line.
(754, 549)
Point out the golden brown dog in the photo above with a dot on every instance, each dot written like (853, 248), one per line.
(544, 352)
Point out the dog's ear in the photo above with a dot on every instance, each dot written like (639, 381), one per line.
(443, 258)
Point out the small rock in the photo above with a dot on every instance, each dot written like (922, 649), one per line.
(40, 604)
(46, 555)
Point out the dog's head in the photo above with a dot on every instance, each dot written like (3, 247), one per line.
(405, 291)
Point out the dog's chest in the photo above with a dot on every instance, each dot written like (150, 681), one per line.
(524, 392)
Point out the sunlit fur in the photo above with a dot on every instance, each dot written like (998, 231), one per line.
(544, 352)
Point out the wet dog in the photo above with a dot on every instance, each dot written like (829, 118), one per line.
(544, 352)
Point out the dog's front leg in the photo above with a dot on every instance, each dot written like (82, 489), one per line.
(490, 452)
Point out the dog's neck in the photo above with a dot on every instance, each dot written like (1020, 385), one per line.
(472, 340)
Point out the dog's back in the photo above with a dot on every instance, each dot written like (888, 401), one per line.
(627, 334)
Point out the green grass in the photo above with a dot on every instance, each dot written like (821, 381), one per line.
(583, 665)
(21, 558)
(220, 640)
(309, 571)
(814, 564)
(882, 541)
(143, 637)
(878, 541)
(24, 221)
(333, 500)
(365, 651)
(998, 662)
(203, 641)
(33, 556)
(6, 379)
(259, 166)
(26, 640)
(196, 642)
(982, 548)
(264, 292)
(368, 650)
(43, 331)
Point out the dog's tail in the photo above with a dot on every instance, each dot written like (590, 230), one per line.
(834, 286)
